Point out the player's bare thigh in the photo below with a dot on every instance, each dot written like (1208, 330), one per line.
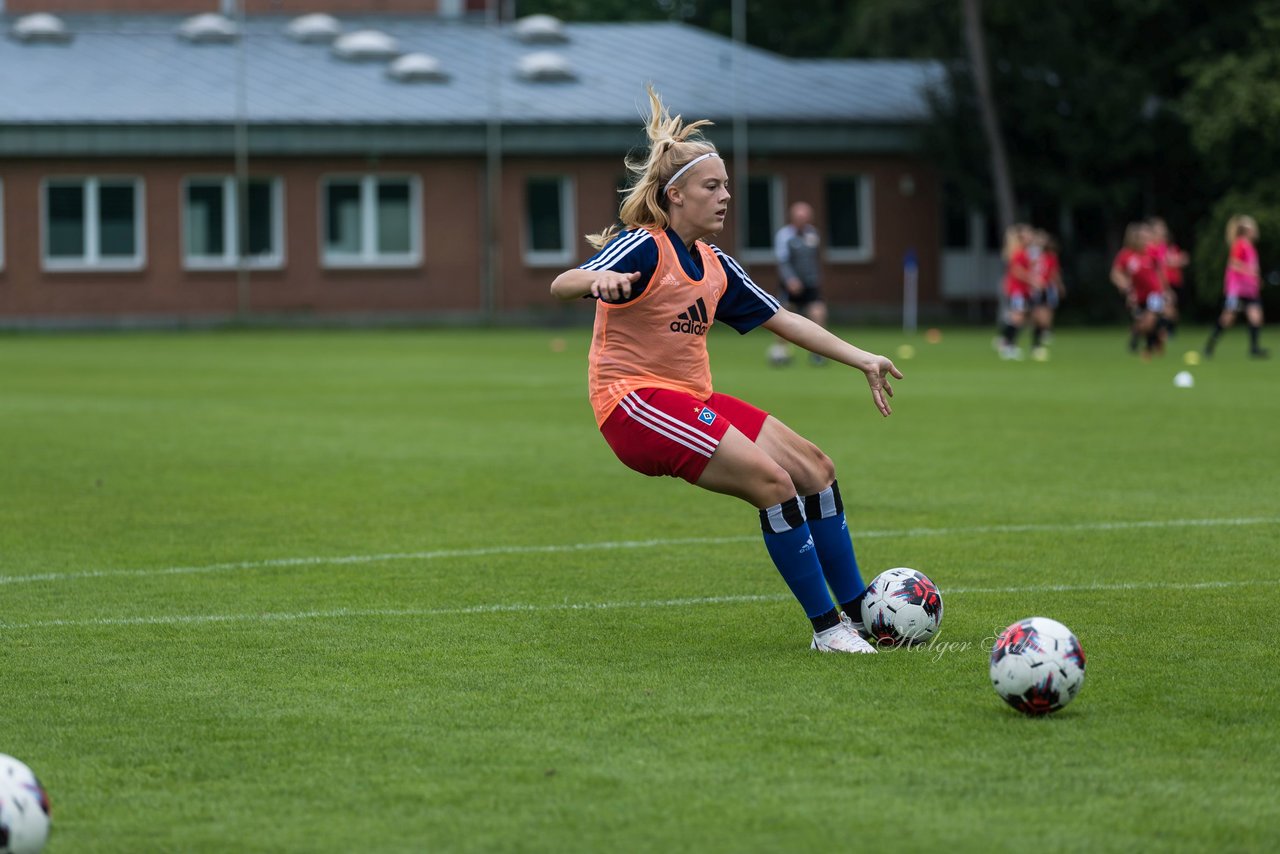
(741, 468)
(811, 470)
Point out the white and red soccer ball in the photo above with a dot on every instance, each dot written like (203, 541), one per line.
(902, 607)
(1037, 665)
(24, 809)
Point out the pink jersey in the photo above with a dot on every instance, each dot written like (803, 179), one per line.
(1237, 283)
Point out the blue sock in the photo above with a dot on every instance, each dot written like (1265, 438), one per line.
(825, 512)
(787, 538)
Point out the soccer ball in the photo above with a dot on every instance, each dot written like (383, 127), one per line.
(24, 809)
(1037, 665)
(902, 607)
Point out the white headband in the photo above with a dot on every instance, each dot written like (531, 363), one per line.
(685, 168)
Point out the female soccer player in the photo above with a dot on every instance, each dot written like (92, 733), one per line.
(1047, 297)
(659, 286)
(1138, 277)
(1019, 284)
(1171, 259)
(1241, 282)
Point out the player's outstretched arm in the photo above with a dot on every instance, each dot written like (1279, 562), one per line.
(803, 332)
(603, 284)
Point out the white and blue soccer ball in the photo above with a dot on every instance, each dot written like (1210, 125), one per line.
(24, 809)
(902, 607)
(1037, 665)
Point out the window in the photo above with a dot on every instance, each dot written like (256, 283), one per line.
(371, 221)
(210, 217)
(849, 218)
(93, 223)
(764, 216)
(549, 219)
(957, 223)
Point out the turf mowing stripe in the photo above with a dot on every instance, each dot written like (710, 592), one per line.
(339, 613)
(337, 560)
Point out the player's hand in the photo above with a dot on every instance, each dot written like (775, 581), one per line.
(614, 287)
(878, 379)
(794, 287)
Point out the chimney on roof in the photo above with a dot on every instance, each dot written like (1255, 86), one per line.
(540, 29)
(317, 28)
(417, 68)
(365, 46)
(40, 28)
(208, 28)
(545, 66)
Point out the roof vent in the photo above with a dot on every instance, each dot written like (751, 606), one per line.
(417, 68)
(365, 46)
(209, 28)
(317, 28)
(40, 28)
(541, 29)
(545, 67)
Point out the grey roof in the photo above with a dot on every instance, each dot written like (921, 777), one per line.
(131, 71)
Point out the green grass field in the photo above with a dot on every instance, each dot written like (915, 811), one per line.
(390, 591)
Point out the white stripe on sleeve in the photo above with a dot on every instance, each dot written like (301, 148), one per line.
(763, 295)
(612, 253)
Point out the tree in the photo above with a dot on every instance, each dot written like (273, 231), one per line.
(976, 44)
(1232, 109)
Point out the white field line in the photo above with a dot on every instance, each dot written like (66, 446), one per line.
(439, 554)
(517, 608)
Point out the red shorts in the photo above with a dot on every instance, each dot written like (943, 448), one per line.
(657, 431)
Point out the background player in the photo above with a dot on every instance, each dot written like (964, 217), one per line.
(1019, 284)
(1047, 274)
(796, 248)
(1137, 276)
(1241, 282)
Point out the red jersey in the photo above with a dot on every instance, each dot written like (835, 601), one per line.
(1143, 272)
(1172, 272)
(1017, 277)
(1047, 267)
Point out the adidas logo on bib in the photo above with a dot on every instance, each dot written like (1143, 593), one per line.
(692, 320)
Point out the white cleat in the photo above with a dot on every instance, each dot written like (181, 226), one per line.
(1011, 354)
(857, 627)
(840, 638)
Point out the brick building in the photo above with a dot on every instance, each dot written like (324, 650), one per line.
(170, 160)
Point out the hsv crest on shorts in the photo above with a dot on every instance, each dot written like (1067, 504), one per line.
(693, 320)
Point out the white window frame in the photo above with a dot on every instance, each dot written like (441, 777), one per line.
(92, 259)
(568, 228)
(230, 257)
(865, 252)
(368, 256)
(777, 219)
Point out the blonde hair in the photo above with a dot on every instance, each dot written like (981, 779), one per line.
(1237, 225)
(1014, 239)
(1134, 235)
(672, 145)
